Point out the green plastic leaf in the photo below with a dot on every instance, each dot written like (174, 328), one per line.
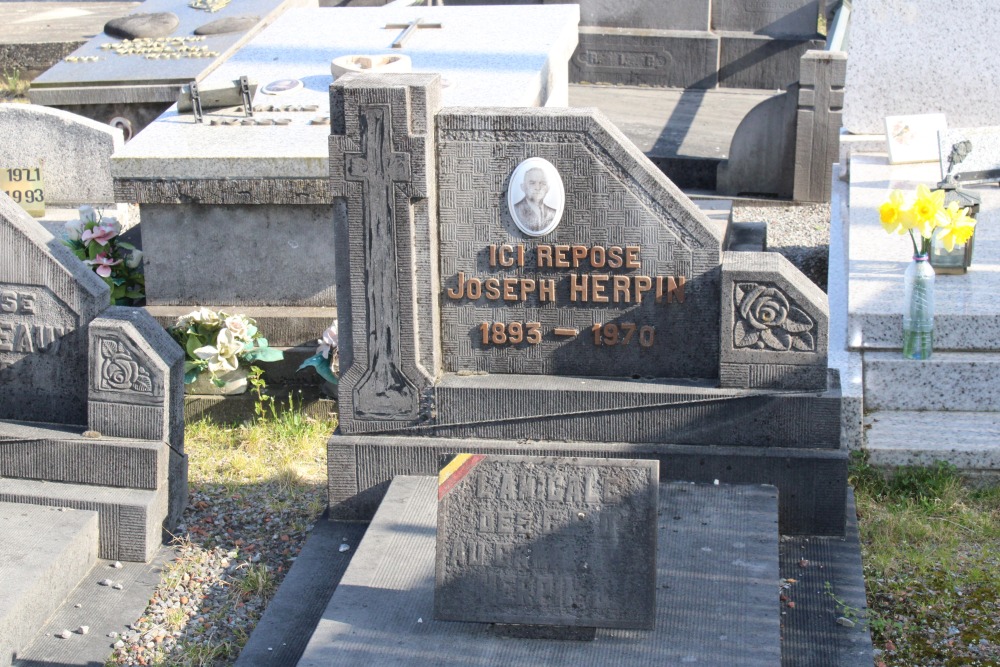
(193, 343)
(126, 245)
(269, 354)
(190, 376)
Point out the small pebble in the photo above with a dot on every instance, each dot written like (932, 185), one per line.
(104, 582)
(77, 605)
(345, 547)
(83, 630)
(65, 634)
(846, 622)
(117, 587)
(117, 565)
(119, 644)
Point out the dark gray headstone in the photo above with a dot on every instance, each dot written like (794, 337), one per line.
(647, 14)
(47, 299)
(135, 26)
(669, 58)
(547, 541)
(228, 24)
(775, 18)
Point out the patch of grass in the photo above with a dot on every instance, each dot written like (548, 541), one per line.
(12, 86)
(931, 551)
(258, 581)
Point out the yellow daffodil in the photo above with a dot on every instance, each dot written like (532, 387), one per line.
(956, 226)
(893, 215)
(926, 209)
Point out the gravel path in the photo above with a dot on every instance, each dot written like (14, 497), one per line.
(800, 232)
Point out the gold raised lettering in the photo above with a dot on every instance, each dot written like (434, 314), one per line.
(578, 287)
(642, 284)
(599, 283)
(632, 257)
(456, 292)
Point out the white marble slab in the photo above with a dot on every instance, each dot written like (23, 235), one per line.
(967, 440)
(487, 56)
(922, 56)
(967, 311)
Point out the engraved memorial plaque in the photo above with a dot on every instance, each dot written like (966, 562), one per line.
(547, 541)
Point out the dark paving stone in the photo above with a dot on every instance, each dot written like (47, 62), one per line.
(135, 26)
(228, 24)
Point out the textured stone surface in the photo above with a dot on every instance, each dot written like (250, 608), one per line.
(964, 381)
(812, 483)
(382, 162)
(774, 18)
(981, 162)
(292, 269)
(677, 59)
(38, 568)
(228, 24)
(756, 61)
(137, 389)
(131, 520)
(74, 153)
(716, 574)
(43, 452)
(884, 67)
(614, 197)
(546, 541)
(818, 121)
(965, 316)
(49, 299)
(774, 325)
(135, 26)
(966, 440)
(647, 14)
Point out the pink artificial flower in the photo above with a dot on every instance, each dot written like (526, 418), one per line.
(103, 264)
(102, 233)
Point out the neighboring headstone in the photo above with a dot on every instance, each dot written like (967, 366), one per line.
(138, 26)
(48, 297)
(73, 153)
(760, 62)
(627, 56)
(594, 333)
(884, 77)
(818, 122)
(970, 154)
(547, 541)
(131, 83)
(643, 14)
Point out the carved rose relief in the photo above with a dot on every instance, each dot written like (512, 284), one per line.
(766, 320)
(120, 370)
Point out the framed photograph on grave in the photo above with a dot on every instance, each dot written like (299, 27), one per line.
(914, 138)
(536, 196)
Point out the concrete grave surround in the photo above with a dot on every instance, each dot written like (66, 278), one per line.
(49, 298)
(74, 153)
(901, 50)
(510, 524)
(423, 195)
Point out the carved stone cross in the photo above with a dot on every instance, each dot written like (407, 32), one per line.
(383, 390)
(408, 30)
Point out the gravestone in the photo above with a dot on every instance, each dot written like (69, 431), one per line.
(91, 413)
(513, 532)
(128, 83)
(622, 324)
(508, 281)
(882, 72)
(272, 180)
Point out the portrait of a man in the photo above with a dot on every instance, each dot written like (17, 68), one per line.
(535, 196)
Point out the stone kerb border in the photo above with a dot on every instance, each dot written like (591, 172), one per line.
(774, 326)
(73, 152)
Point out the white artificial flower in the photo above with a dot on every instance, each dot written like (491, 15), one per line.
(87, 214)
(74, 229)
(205, 316)
(239, 325)
(221, 356)
(328, 342)
(134, 260)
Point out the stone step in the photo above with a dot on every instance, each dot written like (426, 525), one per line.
(283, 326)
(717, 566)
(968, 440)
(963, 381)
(58, 453)
(131, 520)
(44, 553)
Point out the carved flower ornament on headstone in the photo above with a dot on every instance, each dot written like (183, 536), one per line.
(766, 320)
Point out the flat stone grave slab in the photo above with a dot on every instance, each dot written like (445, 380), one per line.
(717, 571)
(547, 541)
(500, 56)
(96, 74)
